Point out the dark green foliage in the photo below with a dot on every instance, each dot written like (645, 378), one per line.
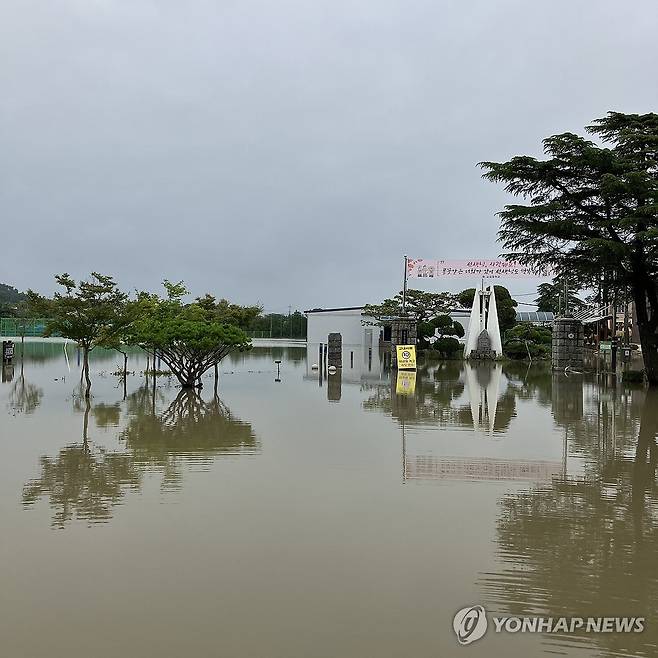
(280, 325)
(442, 325)
(10, 298)
(227, 313)
(504, 303)
(524, 338)
(419, 304)
(88, 312)
(591, 213)
(189, 338)
(447, 346)
(550, 297)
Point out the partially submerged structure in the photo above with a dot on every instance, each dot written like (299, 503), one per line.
(483, 335)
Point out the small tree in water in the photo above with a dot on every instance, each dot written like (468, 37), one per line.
(88, 312)
(187, 337)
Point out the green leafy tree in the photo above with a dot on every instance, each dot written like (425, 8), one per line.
(592, 210)
(504, 303)
(550, 297)
(442, 326)
(281, 325)
(227, 313)
(88, 312)
(447, 346)
(423, 306)
(527, 341)
(187, 337)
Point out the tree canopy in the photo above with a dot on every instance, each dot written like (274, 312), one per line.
(590, 211)
(421, 305)
(188, 337)
(551, 297)
(88, 312)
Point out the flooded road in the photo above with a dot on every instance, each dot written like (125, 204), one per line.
(345, 515)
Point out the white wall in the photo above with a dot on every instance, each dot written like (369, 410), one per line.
(347, 323)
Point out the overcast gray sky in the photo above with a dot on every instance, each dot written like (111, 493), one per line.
(288, 152)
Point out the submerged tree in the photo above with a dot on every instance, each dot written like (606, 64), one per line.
(88, 312)
(187, 337)
(592, 211)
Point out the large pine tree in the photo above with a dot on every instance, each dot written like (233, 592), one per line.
(591, 211)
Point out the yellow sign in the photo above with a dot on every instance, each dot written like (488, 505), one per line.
(406, 383)
(406, 357)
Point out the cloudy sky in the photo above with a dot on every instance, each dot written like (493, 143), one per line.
(288, 152)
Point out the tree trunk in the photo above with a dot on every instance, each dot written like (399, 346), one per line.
(125, 375)
(85, 367)
(646, 326)
(85, 426)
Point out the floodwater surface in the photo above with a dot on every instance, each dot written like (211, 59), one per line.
(295, 513)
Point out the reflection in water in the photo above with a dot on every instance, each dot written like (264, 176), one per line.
(82, 482)
(190, 431)
(452, 394)
(588, 544)
(86, 481)
(23, 396)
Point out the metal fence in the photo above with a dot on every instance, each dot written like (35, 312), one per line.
(32, 327)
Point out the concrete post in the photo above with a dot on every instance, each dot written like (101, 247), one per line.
(568, 344)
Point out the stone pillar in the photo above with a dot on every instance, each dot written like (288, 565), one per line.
(403, 332)
(567, 348)
(335, 350)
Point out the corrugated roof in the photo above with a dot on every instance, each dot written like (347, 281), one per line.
(534, 316)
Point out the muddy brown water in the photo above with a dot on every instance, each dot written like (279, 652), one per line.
(321, 515)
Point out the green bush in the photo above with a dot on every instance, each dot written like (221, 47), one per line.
(537, 339)
(447, 346)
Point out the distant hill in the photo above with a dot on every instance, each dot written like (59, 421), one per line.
(9, 297)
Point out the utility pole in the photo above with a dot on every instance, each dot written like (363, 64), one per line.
(626, 328)
(404, 287)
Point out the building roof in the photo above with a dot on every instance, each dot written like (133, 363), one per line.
(534, 316)
(330, 310)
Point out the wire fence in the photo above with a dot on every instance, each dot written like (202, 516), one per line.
(29, 327)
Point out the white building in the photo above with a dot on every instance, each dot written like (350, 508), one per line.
(358, 329)
(361, 337)
(349, 322)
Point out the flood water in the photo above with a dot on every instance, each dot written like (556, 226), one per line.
(346, 515)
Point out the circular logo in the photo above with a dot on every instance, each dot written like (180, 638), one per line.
(470, 624)
(406, 354)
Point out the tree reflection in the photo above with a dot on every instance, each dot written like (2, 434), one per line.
(23, 396)
(191, 430)
(83, 482)
(86, 481)
(588, 545)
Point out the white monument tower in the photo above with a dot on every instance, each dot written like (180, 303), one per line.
(483, 337)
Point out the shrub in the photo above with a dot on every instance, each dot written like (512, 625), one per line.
(447, 346)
